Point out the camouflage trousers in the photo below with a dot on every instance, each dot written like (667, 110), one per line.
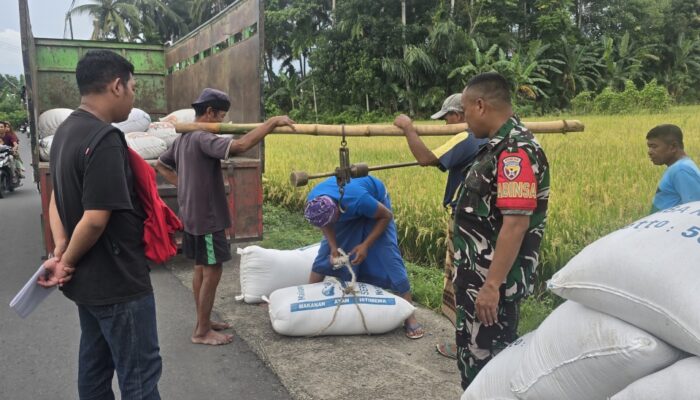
(476, 343)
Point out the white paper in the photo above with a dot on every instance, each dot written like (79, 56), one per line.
(31, 295)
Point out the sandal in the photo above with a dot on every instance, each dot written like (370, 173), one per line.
(414, 331)
(447, 349)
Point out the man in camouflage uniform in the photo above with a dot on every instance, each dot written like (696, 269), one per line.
(499, 222)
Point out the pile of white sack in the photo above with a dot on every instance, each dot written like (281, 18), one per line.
(49, 121)
(630, 328)
(326, 308)
(265, 270)
(183, 115)
(137, 121)
(297, 308)
(148, 139)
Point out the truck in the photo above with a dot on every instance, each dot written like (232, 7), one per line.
(224, 53)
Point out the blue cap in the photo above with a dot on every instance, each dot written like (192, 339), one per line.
(209, 96)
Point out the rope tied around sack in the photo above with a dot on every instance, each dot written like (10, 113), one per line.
(340, 262)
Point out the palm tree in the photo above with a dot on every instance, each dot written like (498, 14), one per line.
(482, 61)
(202, 10)
(409, 68)
(580, 70)
(685, 65)
(160, 23)
(623, 60)
(112, 19)
(528, 69)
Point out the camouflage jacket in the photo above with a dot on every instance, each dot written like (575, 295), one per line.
(509, 175)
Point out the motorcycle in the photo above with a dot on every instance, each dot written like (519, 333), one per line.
(9, 176)
(24, 129)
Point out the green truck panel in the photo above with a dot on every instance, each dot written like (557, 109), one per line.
(55, 69)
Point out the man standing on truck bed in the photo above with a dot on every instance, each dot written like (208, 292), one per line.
(193, 165)
(97, 224)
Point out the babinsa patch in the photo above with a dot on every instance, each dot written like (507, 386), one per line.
(511, 167)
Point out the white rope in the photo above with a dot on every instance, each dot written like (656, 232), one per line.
(339, 262)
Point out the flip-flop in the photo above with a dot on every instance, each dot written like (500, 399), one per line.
(414, 331)
(446, 350)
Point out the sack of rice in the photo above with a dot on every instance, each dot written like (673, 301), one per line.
(49, 121)
(324, 309)
(163, 130)
(137, 121)
(265, 270)
(149, 147)
(581, 354)
(677, 382)
(45, 148)
(647, 274)
(183, 115)
(493, 381)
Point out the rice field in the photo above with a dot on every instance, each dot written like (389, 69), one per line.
(602, 180)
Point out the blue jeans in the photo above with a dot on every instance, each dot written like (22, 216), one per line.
(121, 337)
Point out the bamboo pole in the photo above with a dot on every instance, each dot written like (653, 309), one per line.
(559, 126)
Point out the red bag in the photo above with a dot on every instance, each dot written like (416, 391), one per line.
(161, 222)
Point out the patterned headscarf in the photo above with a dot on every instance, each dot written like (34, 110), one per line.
(320, 211)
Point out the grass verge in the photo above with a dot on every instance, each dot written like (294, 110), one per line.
(286, 229)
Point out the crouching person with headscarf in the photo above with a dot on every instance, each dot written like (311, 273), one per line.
(360, 223)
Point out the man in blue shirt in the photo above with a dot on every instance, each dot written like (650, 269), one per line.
(681, 182)
(453, 156)
(362, 224)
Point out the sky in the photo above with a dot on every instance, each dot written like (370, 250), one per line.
(48, 21)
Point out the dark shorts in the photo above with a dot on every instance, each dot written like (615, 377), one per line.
(209, 249)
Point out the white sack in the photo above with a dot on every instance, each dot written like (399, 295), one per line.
(183, 115)
(149, 147)
(307, 309)
(493, 381)
(49, 121)
(678, 382)
(647, 274)
(265, 270)
(45, 148)
(581, 354)
(137, 121)
(163, 130)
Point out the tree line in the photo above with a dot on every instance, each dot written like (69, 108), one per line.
(354, 60)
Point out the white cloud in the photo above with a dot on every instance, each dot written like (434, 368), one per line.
(11, 52)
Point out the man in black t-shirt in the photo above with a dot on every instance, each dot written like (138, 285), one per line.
(193, 164)
(97, 224)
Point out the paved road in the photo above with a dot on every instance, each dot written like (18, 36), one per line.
(38, 356)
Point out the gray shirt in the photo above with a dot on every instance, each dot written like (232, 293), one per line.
(201, 196)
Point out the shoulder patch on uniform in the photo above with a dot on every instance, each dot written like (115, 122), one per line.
(512, 167)
(516, 182)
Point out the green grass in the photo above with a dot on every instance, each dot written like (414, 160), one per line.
(426, 285)
(286, 230)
